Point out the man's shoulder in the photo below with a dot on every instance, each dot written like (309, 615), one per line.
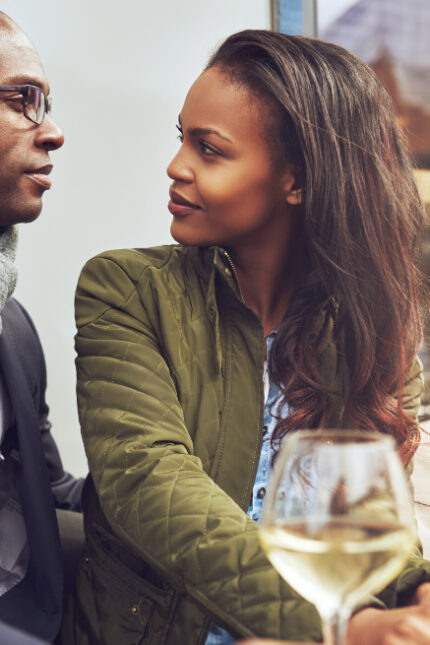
(13, 309)
(19, 339)
(16, 319)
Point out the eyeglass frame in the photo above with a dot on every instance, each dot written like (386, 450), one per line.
(24, 89)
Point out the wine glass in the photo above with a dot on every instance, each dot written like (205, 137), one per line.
(338, 521)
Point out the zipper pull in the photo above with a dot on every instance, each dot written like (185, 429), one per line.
(233, 270)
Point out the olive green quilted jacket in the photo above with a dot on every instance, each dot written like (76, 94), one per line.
(170, 394)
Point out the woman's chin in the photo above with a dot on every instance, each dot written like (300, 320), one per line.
(186, 237)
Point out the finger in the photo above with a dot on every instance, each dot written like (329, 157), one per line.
(412, 630)
(264, 641)
(422, 594)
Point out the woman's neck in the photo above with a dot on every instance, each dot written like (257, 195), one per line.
(267, 279)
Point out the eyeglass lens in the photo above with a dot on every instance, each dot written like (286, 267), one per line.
(36, 104)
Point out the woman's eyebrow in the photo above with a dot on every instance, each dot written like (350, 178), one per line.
(198, 132)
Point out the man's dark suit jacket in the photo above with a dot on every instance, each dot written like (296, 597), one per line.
(12, 636)
(35, 604)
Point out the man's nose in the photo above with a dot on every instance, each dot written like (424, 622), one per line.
(48, 135)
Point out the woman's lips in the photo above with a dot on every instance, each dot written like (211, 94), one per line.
(178, 205)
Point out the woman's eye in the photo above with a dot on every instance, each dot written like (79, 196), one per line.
(180, 136)
(207, 149)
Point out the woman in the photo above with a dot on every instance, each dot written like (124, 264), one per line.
(297, 220)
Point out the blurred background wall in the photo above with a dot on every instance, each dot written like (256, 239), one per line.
(119, 73)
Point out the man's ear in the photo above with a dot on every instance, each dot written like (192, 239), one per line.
(293, 186)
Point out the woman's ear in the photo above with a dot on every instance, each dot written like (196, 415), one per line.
(293, 186)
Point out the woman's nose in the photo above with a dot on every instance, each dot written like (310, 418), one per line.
(179, 169)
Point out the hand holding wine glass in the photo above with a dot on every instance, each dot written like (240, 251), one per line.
(405, 626)
(338, 520)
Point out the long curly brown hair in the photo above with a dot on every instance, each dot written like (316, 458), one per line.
(362, 223)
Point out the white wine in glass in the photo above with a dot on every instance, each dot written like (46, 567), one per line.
(338, 522)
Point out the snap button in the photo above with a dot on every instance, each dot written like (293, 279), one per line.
(134, 609)
(261, 493)
(86, 559)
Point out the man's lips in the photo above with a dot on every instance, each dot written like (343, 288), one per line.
(40, 176)
(178, 205)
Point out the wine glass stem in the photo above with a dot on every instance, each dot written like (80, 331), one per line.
(334, 628)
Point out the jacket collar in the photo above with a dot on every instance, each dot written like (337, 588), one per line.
(326, 314)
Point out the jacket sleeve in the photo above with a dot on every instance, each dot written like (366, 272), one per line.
(66, 489)
(413, 388)
(417, 570)
(152, 488)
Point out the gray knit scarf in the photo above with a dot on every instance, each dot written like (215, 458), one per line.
(8, 243)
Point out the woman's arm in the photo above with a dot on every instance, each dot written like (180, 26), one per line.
(152, 487)
(153, 490)
(414, 387)
(405, 626)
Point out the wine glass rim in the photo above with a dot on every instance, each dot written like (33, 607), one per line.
(344, 435)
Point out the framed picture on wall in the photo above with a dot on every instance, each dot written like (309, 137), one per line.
(393, 38)
(298, 17)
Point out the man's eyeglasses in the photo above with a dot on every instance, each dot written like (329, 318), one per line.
(34, 102)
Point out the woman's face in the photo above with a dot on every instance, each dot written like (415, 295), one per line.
(226, 188)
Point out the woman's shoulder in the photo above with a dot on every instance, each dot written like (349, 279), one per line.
(156, 257)
(139, 278)
(135, 261)
(139, 258)
(123, 271)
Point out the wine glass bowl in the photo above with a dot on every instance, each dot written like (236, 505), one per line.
(338, 521)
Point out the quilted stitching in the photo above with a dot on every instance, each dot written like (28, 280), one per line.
(150, 419)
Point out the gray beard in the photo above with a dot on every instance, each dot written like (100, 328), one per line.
(8, 272)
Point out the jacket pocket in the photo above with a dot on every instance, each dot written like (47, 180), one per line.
(114, 606)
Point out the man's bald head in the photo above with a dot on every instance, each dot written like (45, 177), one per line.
(24, 144)
(6, 22)
(9, 29)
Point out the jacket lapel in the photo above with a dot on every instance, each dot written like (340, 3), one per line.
(45, 569)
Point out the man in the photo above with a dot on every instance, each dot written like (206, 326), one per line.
(32, 479)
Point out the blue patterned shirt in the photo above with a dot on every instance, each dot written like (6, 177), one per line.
(218, 635)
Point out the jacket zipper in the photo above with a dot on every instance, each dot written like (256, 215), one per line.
(233, 268)
(228, 375)
(228, 367)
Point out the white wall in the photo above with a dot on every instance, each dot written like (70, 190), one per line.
(119, 72)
